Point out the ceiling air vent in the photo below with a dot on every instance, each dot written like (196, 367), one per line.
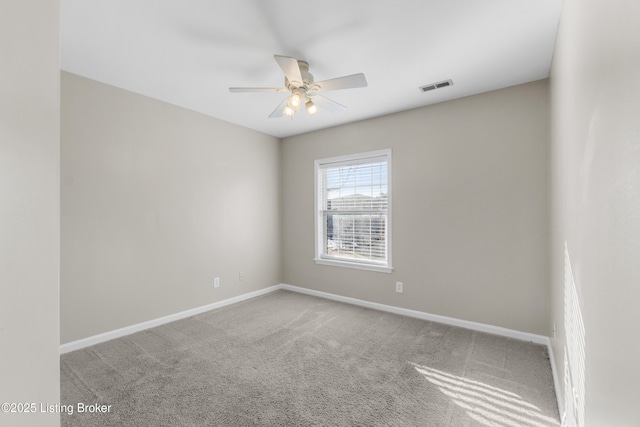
(433, 86)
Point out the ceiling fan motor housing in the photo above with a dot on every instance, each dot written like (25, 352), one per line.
(307, 78)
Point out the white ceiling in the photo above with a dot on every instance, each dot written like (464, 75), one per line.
(189, 52)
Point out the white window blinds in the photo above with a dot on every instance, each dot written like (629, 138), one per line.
(353, 209)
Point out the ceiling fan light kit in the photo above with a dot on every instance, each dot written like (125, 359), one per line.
(299, 82)
(296, 99)
(311, 108)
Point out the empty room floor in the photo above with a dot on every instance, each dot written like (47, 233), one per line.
(288, 359)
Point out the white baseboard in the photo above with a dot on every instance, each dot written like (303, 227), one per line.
(481, 327)
(128, 330)
(556, 381)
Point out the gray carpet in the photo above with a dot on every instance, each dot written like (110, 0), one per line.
(287, 359)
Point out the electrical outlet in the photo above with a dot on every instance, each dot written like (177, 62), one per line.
(399, 287)
(241, 276)
(216, 282)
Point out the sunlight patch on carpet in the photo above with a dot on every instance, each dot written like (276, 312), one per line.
(489, 405)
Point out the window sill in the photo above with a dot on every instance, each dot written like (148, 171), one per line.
(369, 267)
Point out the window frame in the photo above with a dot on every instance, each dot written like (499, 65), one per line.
(319, 223)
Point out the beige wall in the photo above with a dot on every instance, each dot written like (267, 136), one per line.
(29, 207)
(470, 208)
(156, 202)
(596, 197)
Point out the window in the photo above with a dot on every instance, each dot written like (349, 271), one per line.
(353, 211)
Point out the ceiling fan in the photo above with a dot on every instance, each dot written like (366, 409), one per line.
(304, 91)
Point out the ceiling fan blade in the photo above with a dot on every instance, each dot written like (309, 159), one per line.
(279, 111)
(346, 82)
(290, 68)
(327, 104)
(258, 89)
